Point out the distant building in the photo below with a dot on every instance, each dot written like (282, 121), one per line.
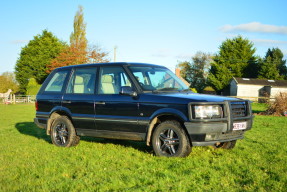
(249, 87)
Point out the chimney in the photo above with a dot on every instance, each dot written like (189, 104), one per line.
(177, 72)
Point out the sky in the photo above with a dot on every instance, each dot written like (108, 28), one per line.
(162, 32)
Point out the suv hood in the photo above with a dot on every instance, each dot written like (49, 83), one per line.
(187, 97)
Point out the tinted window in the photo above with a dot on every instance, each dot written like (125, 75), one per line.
(57, 82)
(82, 81)
(112, 79)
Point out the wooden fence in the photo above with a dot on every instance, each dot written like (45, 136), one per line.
(19, 99)
(256, 99)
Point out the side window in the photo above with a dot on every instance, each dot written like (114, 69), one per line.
(82, 81)
(124, 80)
(112, 79)
(141, 79)
(57, 82)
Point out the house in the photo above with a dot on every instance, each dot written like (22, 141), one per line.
(249, 87)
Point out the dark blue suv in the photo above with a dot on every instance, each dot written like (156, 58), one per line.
(141, 102)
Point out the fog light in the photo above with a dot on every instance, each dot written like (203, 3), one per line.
(210, 137)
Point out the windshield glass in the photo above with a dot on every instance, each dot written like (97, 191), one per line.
(157, 79)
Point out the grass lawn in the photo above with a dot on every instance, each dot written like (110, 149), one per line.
(259, 107)
(29, 162)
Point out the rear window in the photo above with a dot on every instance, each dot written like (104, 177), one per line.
(57, 82)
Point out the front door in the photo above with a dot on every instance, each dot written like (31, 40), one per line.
(115, 112)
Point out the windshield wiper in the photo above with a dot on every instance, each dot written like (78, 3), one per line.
(185, 90)
(166, 89)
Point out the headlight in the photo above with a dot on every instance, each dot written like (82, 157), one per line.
(207, 111)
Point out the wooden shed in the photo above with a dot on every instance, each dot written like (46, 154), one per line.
(250, 87)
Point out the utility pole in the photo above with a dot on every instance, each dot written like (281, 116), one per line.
(115, 53)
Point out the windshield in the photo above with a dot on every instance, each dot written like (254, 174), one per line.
(157, 79)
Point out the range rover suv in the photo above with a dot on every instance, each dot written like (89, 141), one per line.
(141, 102)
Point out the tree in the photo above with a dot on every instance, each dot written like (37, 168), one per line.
(78, 52)
(268, 70)
(219, 77)
(196, 71)
(97, 55)
(35, 57)
(69, 56)
(8, 81)
(78, 36)
(274, 60)
(233, 60)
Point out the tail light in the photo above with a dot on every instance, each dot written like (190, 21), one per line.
(36, 106)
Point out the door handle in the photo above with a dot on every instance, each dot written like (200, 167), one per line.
(100, 103)
(67, 102)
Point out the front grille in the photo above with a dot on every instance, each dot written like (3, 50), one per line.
(238, 109)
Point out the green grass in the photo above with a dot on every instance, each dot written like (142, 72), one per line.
(259, 107)
(29, 162)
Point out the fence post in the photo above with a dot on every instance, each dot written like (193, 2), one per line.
(14, 98)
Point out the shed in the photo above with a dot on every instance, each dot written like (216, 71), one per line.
(250, 87)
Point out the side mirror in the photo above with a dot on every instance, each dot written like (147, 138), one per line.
(127, 90)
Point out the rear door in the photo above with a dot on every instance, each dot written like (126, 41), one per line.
(79, 97)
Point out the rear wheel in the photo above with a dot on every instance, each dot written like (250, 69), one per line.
(170, 140)
(63, 133)
(225, 145)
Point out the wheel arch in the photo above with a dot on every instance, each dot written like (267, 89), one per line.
(164, 116)
(56, 112)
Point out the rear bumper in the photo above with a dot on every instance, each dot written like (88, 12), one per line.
(40, 125)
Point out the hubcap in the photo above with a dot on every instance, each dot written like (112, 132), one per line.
(168, 142)
(61, 133)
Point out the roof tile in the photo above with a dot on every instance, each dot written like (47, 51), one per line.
(264, 82)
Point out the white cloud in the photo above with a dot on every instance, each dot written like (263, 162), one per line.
(162, 53)
(269, 41)
(167, 53)
(255, 27)
(184, 56)
(19, 41)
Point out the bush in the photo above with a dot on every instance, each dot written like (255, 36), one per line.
(193, 90)
(32, 87)
(279, 106)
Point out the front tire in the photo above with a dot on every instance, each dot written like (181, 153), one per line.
(170, 140)
(63, 133)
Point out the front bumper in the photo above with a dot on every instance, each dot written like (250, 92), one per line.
(203, 132)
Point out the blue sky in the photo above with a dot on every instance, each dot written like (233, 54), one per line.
(153, 31)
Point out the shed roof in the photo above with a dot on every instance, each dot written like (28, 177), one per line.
(264, 82)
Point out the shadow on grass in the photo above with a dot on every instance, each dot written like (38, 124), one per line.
(258, 111)
(29, 128)
(138, 145)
